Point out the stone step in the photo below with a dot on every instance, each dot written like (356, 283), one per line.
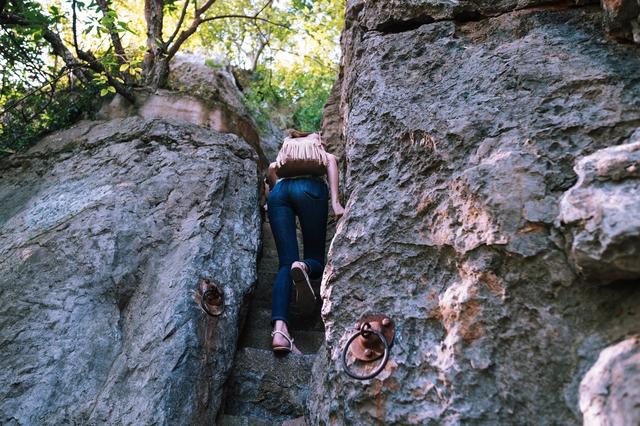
(265, 389)
(260, 318)
(260, 338)
(300, 421)
(262, 292)
(227, 420)
(268, 387)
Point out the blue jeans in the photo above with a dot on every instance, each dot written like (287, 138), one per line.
(306, 198)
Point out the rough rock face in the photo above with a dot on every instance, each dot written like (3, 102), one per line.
(270, 141)
(402, 15)
(216, 85)
(601, 214)
(461, 132)
(105, 230)
(609, 392)
(331, 123)
(622, 18)
(265, 385)
(200, 95)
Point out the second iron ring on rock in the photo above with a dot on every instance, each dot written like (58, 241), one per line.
(372, 340)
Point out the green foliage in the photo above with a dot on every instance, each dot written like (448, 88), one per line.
(289, 53)
(292, 69)
(213, 64)
(294, 94)
(308, 116)
(42, 112)
(25, 108)
(309, 92)
(261, 98)
(38, 93)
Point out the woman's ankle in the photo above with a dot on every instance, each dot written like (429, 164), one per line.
(280, 325)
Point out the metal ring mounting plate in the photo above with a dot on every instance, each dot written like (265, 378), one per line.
(380, 366)
(211, 297)
(369, 347)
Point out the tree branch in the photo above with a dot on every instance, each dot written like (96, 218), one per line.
(184, 35)
(103, 5)
(97, 66)
(51, 83)
(253, 18)
(59, 49)
(264, 42)
(18, 54)
(153, 15)
(204, 7)
(180, 21)
(54, 40)
(171, 50)
(267, 4)
(74, 20)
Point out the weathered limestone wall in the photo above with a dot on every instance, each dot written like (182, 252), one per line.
(105, 229)
(478, 136)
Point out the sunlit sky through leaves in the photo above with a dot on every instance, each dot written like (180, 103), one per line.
(313, 35)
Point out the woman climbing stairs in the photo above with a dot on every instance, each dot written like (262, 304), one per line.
(264, 389)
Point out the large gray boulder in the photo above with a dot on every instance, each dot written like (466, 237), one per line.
(461, 132)
(105, 229)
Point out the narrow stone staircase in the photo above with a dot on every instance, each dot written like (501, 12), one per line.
(265, 389)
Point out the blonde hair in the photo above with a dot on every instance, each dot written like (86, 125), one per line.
(295, 133)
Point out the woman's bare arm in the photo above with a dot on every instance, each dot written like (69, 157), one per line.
(334, 179)
(269, 182)
(271, 175)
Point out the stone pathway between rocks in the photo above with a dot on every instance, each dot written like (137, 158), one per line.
(263, 389)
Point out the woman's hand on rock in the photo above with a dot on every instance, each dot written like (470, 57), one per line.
(338, 210)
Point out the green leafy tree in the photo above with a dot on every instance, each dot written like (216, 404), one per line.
(291, 69)
(57, 57)
(83, 41)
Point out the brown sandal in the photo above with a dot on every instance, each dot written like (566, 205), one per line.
(305, 296)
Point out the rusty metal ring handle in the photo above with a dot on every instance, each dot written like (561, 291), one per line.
(203, 304)
(385, 357)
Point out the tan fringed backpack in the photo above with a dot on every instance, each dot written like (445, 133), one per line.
(301, 156)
